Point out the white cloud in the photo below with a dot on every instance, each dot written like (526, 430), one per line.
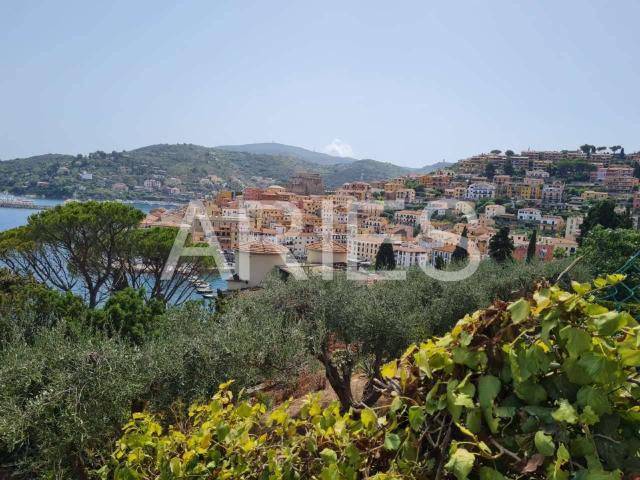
(338, 148)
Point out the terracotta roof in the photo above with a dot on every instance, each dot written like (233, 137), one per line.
(409, 248)
(445, 248)
(328, 246)
(263, 248)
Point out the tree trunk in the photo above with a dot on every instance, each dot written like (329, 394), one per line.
(340, 381)
(370, 394)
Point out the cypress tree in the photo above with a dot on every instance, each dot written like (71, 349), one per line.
(531, 249)
(460, 254)
(501, 246)
(385, 259)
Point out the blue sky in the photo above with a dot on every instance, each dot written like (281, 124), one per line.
(407, 82)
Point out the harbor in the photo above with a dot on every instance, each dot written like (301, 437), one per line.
(9, 201)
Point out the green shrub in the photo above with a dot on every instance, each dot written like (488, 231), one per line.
(540, 388)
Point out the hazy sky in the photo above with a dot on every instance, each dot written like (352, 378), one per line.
(407, 82)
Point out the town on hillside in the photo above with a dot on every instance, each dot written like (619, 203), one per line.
(422, 216)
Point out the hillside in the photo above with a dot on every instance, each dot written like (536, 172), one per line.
(288, 151)
(193, 169)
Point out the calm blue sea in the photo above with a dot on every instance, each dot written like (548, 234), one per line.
(15, 217)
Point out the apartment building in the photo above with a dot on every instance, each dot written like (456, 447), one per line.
(443, 251)
(479, 191)
(439, 181)
(363, 248)
(410, 255)
(591, 195)
(491, 211)
(459, 192)
(408, 195)
(407, 217)
(553, 195)
(529, 215)
(519, 191)
(537, 174)
(551, 223)
(572, 229)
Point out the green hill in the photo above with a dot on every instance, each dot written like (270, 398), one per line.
(288, 151)
(195, 170)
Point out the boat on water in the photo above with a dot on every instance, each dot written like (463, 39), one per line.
(208, 295)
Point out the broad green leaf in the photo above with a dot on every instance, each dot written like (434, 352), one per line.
(368, 417)
(598, 367)
(488, 390)
(565, 412)
(175, 466)
(588, 416)
(329, 456)
(461, 463)
(594, 397)
(581, 288)
(629, 353)
(578, 341)
(544, 444)
(487, 473)
(519, 310)
(416, 417)
(602, 475)
(611, 322)
(531, 393)
(391, 441)
(474, 420)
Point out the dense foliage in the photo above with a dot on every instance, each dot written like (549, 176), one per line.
(96, 248)
(346, 325)
(71, 375)
(540, 388)
(604, 213)
(607, 250)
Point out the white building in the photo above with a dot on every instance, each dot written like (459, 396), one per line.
(407, 217)
(537, 174)
(478, 191)
(410, 255)
(152, 184)
(492, 210)
(254, 261)
(529, 215)
(573, 226)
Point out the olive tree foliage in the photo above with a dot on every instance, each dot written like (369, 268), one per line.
(345, 325)
(338, 323)
(66, 388)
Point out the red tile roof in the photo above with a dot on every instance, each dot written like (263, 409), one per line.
(263, 248)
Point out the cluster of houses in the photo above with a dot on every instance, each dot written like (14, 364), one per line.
(421, 216)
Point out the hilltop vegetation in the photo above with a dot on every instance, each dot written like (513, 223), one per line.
(540, 388)
(194, 169)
